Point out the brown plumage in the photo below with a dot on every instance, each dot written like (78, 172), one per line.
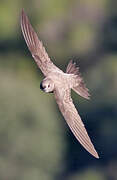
(60, 84)
(79, 88)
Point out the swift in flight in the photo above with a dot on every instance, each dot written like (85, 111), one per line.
(60, 84)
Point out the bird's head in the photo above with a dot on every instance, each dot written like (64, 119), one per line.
(47, 85)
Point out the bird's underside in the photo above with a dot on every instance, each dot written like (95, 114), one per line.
(60, 83)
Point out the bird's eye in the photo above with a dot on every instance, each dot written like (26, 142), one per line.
(48, 85)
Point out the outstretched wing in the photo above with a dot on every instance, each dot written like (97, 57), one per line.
(79, 86)
(74, 121)
(36, 47)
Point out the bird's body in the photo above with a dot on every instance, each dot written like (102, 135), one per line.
(60, 84)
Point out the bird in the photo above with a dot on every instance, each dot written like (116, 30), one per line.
(60, 84)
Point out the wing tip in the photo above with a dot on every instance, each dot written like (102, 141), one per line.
(22, 17)
(22, 11)
(95, 154)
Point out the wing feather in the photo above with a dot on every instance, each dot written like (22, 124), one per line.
(74, 121)
(36, 47)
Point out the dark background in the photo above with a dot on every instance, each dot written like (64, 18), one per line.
(35, 141)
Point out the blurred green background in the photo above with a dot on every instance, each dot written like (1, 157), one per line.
(35, 141)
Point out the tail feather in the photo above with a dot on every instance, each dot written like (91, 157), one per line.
(80, 88)
(72, 68)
